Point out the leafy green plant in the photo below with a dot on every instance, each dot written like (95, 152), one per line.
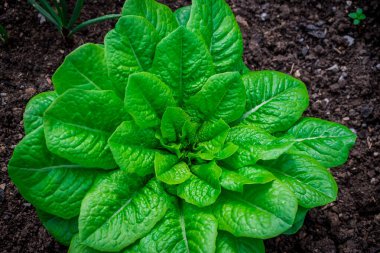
(161, 140)
(57, 12)
(357, 16)
(3, 35)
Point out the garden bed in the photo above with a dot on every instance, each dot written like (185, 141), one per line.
(312, 40)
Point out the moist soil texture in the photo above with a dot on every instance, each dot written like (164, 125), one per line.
(312, 40)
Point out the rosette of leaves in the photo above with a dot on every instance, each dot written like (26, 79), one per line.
(161, 140)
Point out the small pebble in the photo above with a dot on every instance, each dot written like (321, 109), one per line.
(264, 16)
(376, 154)
(334, 68)
(346, 119)
(350, 41)
(297, 74)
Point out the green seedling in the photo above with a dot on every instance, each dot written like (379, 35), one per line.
(162, 140)
(59, 15)
(357, 16)
(3, 35)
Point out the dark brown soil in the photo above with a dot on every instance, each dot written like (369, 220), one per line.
(305, 38)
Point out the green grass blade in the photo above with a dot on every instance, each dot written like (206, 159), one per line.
(58, 7)
(45, 13)
(46, 5)
(74, 17)
(93, 21)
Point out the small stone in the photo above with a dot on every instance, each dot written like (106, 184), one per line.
(346, 119)
(366, 111)
(2, 187)
(41, 18)
(62, 51)
(335, 86)
(378, 66)
(263, 16)
(29, 92)
(285, 11)
(350, 41)
(304, 51)
(27, 204)
(334, 68)
(349, 3)
(242, 21)
(3, 94)
(297, 74)
(376, 154)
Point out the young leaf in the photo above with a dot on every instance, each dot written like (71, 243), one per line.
(184, 228)
(129, 49)
(79, 123)
(134, 148)
(312, 184)
(235, 180)
(327, 142)
(225, 242)
(222, 97)
(61, 229)
(85, 68)
(43, 178)
(268, 209)
(35, 109)
(204, 188)
(146, 99)
(176, 126)
(159, 15)
(298, 221)
(275, 101)
(183, 62)
(119, 210)
(170, 170)
(183, 15)
(215, 22)
(211, 139)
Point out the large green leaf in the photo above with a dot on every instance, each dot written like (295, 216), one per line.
(35, 109)
(169, 169)
(129, 48)
(215, 22)
(79, 123)
(183, 62)
(203, 188)
(184, 228)
(134, 148)
(298, 221)
(312, 184)
(327, 142)
(85, 68)
(146, 99)
(222, 97)
(262, 211)
(76, 246)
(61, 229)
(255, 144)
(183, 15)
(235, 180)
(119, 210)
(275, 101)
(159, 15)
(50, 183)
(227, 243)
